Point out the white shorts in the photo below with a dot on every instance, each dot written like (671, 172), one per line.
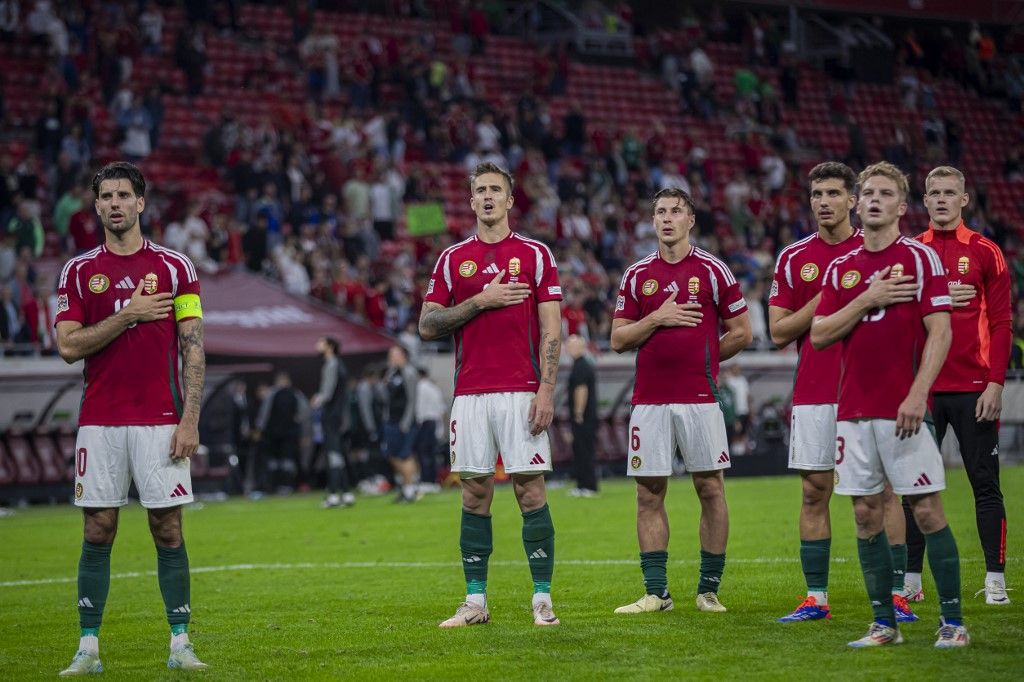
(868, 452)
(486, 424)
(108, 458)
(698, 429)
(812, 438)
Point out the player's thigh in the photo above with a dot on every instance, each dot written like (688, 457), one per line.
(161, 481)
(913, 465)
(859, 470)
(521, 452)
(651, 444)
(699, 430)
(102, 469)
(472, 448)
(812, 438)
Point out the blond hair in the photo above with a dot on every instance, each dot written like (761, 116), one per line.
(886, 170)
(946, 172)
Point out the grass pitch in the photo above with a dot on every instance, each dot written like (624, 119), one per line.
(282, 589)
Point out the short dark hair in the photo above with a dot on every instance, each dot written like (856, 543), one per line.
(834, 170)
(333, 344)
(120, 170)
(673, 193)
(489, 167)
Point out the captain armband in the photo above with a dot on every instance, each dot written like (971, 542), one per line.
(187, 305)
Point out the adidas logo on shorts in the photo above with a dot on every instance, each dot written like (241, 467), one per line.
(537, 459)
(179, 491)
(922, 480)
(723, 458)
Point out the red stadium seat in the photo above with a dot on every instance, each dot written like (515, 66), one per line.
(26, 468)
(54, 468)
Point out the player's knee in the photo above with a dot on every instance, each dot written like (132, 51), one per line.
(868, 516)
(928, 514)
(100, 529)
(710, 489)
(816, 493)
(166, 529)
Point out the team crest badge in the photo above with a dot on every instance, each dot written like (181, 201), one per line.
(452, 459)
(514, 266)
(467, 269)
(851, 279)
(149, 283)
(98, 284)
(635, 462)
(62, 304)
(809, 272)
(650, 286)
(693, 286)
(896, 271)
(963, 265)
(79, 491)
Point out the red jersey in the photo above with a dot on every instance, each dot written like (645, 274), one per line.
(982, 331)
(134, 379)
(798, 277)
(496, 351)
(880, 356)
(679, 364)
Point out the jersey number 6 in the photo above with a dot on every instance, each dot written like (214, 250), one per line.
(634, 438)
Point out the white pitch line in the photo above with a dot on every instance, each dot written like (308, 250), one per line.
(410, 564)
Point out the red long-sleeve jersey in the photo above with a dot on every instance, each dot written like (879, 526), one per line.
(982, 331)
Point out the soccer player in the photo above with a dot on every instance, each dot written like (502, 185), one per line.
(127, 308)
(668, 309)
(332, 400)
(967, 395)
(888, 304)
(498, 292)
(795, 293)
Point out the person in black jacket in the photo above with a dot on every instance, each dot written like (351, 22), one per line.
(332, 400)
(583, 412)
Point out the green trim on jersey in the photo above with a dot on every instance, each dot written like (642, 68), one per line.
(707, 372)
(179, 404)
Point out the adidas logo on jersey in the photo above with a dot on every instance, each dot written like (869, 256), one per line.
(537, 459)
(672, 287)
(179, 491)
(539, 554)
(922, 480)
(723, 458)
(125, 283)
(492, 269)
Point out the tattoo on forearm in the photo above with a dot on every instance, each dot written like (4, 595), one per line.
(440, 322)
(552, 347)
(193, 367)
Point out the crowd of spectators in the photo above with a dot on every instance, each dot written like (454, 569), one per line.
(315, 196)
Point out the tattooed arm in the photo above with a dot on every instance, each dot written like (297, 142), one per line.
(193, 363)
(542, 409)
(437, 321)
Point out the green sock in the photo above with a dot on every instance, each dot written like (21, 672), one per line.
(93, 584)
(814, 555)
(876, 564)
(944, 560)
(711, 568)
(654, 565)
(899, 567)
(539, 543)
(179, 628)
(172, 574)
(476, 543)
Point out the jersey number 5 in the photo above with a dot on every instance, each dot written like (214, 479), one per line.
(454, 435)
